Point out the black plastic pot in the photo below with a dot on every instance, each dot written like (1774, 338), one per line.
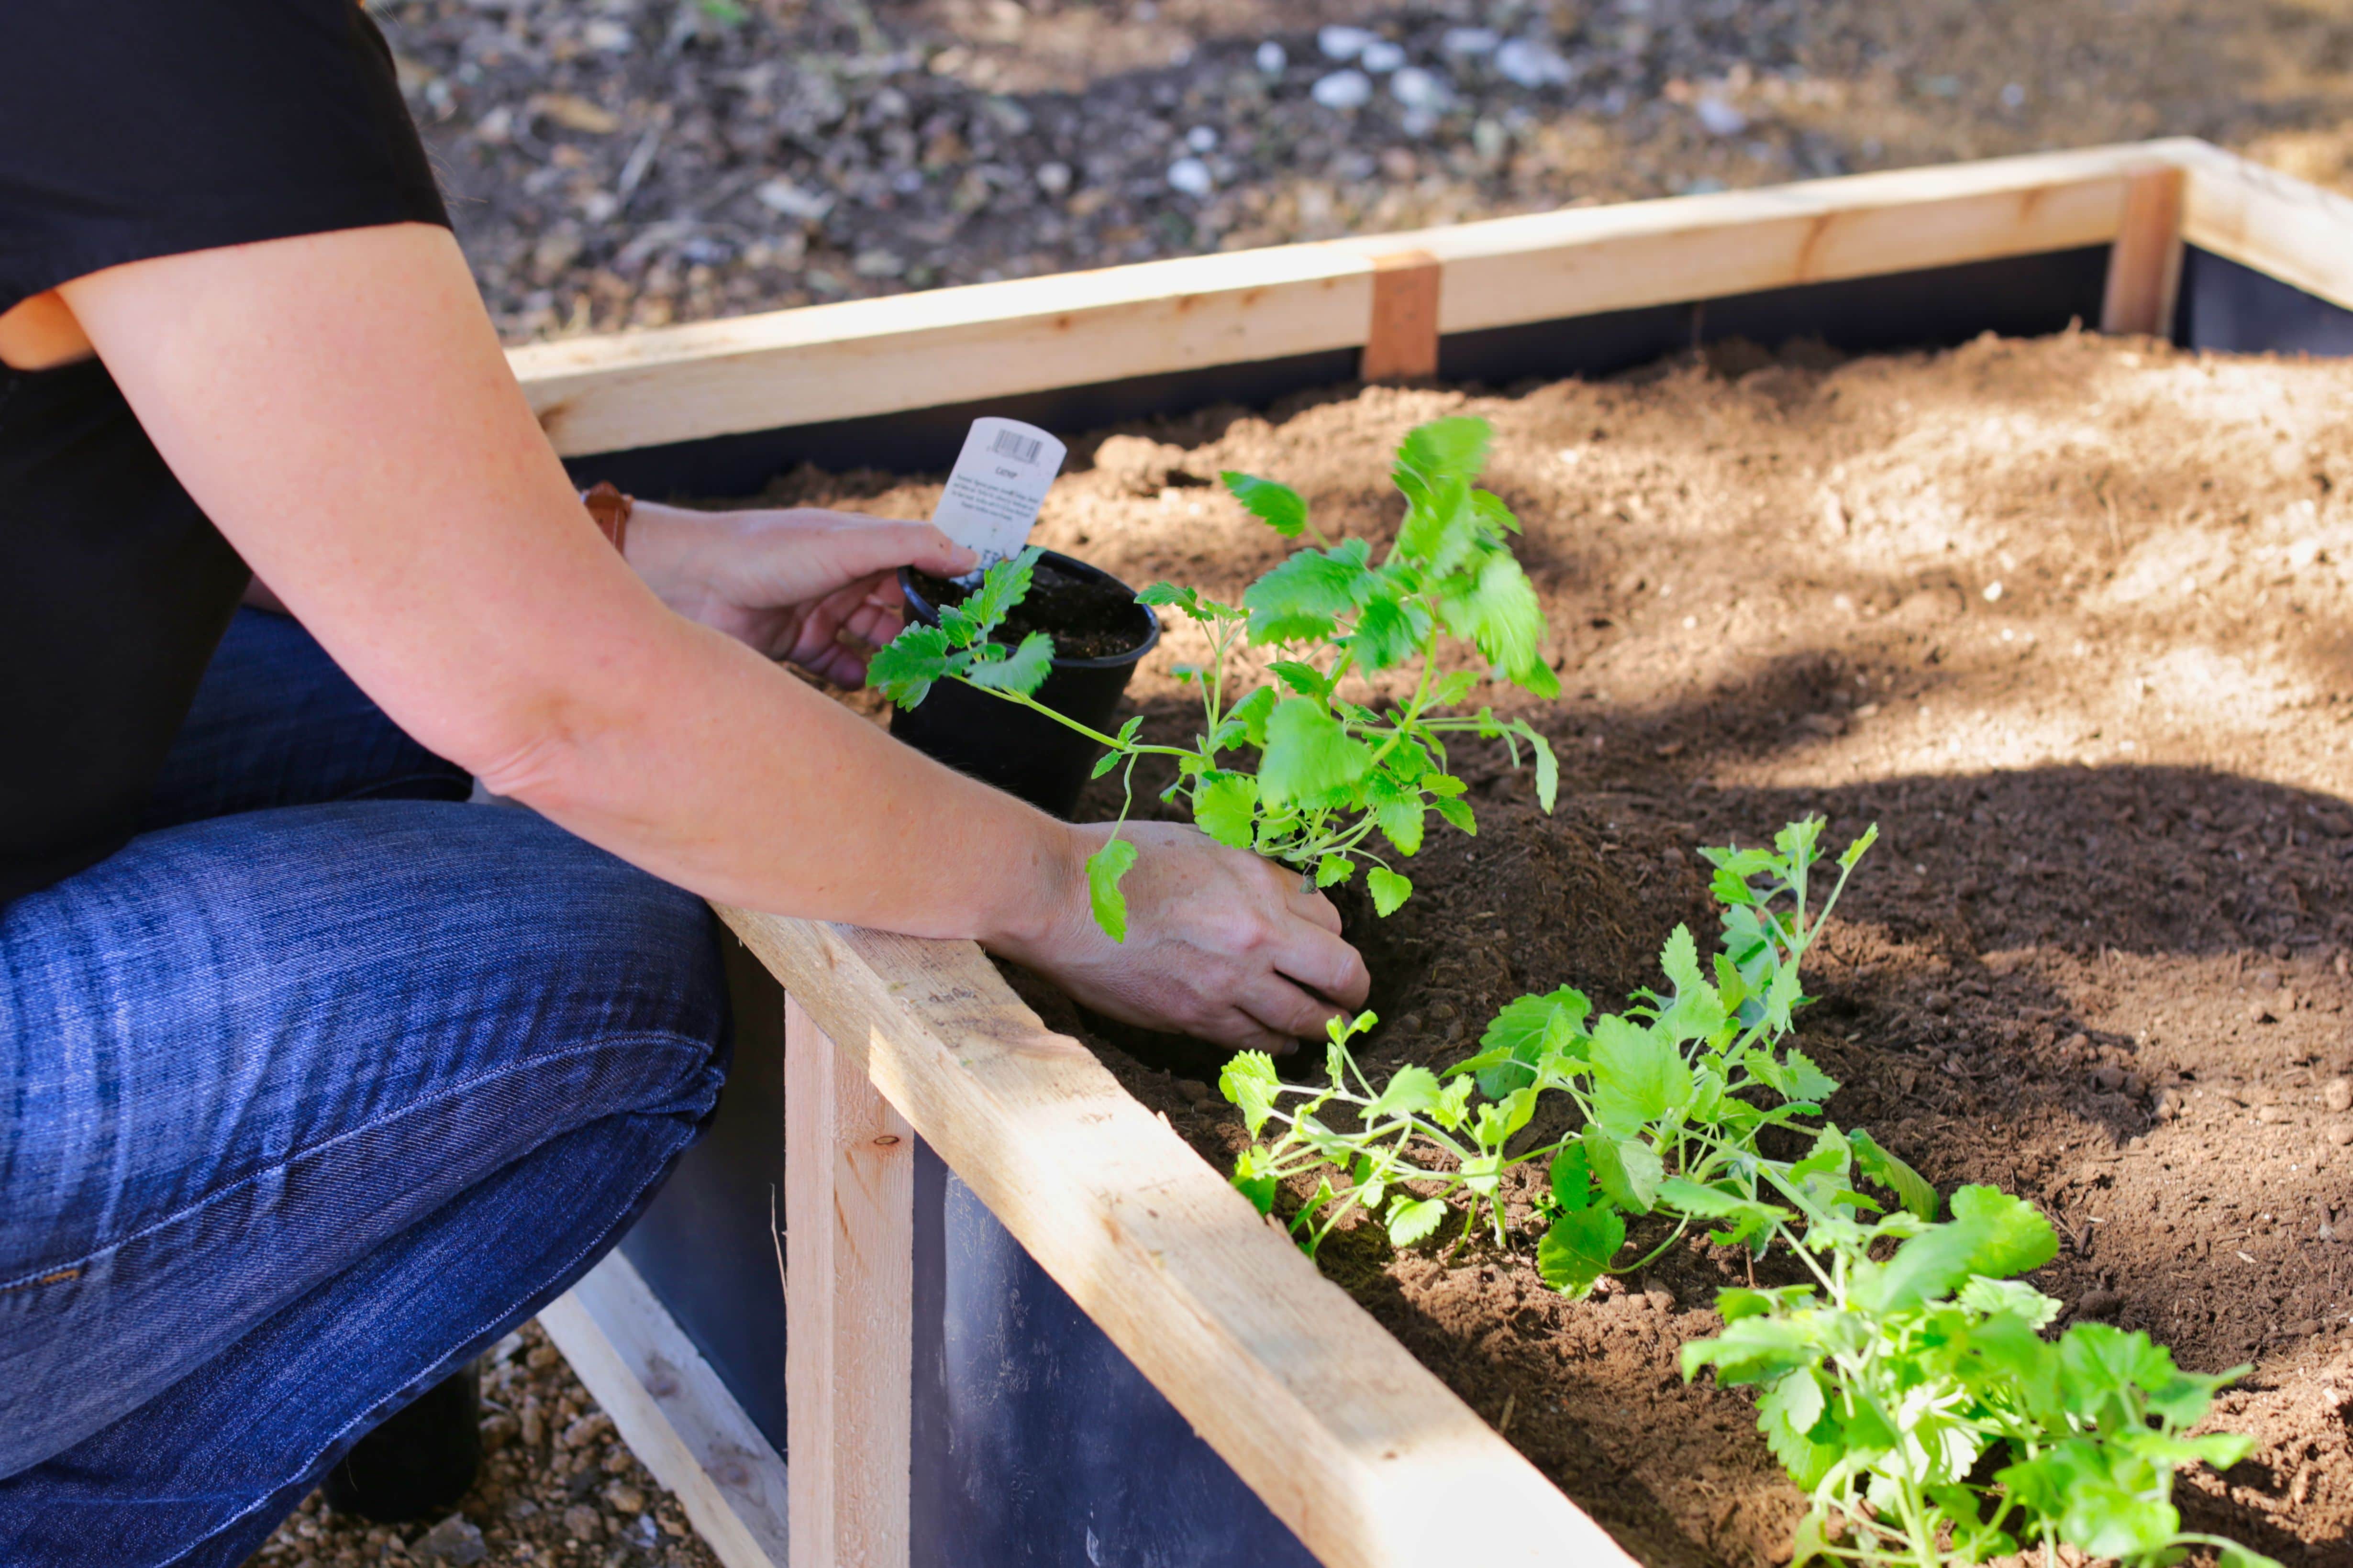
(1019, 751)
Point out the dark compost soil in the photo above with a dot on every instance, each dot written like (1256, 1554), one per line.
(1087, 617)
(2068, 619)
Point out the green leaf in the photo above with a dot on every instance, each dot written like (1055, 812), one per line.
(1400, 820)
(1280, 507)
(2234, 1555)
(1412, 1220)
(1453, 448)
(1789, 1414)
(1680, 960)
(1754, 1349)
(1002, 588)
(1388, 633)
(1577, 1250)
(1105, 867)
(1247, 719)
(1801, 1079)
(906, 668)
(1548, 769)
(2012, 1236)
(1023, 670)
(1638, 1077)
(1877, 1165)
(1856, 850)
(1627, 1171)
(1388, 889)
(1456, 813)
(1414, 1088)
(1500, 613)
(1572, 1177)
(1302, 599)
(1254, 1178)
(1224, 806)
(1333, 868)
(1249, 1081)
(1308, 757)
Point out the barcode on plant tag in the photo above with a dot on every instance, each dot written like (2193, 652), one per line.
(1019, 447)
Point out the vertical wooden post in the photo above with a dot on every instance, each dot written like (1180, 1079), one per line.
(2145, 262)
(1401, 341)
(849, 1281)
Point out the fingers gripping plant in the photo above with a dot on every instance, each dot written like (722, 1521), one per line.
(1289, 767)
(1910, 1362)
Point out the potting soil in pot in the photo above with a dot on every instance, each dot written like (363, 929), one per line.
(2073, 621)
(1087, 619)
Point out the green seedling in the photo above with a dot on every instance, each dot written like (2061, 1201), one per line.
(1911, 1355)
(1663, 1090)
(1284, 763)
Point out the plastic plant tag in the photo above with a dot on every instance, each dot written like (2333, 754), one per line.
(999, 481)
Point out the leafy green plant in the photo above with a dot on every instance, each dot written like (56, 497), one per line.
(1660, 1091)
(1886, 1381)
(1911, 1362)
(1287, 766)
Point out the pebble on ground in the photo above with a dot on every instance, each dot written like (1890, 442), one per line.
(558, 1489)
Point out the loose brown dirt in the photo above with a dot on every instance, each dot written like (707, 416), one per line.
(2068, 619)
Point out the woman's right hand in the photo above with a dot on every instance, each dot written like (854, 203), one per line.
(1221, 944)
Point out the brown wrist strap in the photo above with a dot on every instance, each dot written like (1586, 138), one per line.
(610, 509)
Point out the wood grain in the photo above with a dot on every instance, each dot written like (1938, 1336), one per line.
(996, 340)
(1401, 341)
(1347, 1439)
(2145, 262)
(676, 1415)
(2278, 225)
(848, 1303)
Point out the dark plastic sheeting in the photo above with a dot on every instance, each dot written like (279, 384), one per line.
(2225, 306)
(1036, 1444)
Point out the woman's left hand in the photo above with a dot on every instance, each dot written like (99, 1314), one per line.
(817, 588)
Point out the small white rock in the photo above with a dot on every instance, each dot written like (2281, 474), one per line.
(1381, 56)
(1526, 63)
(1993, 592)
(1417, 89)
(2013, 96)
(1344, 89)
(607, 37)
(1341, 43)
(1202, 139)
(1190, 177)
(1273, 57)
(1053, 178)
(1469, 40)
(1718, 117)
(788, 198)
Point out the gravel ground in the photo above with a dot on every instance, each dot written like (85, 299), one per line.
(629, 162)
(559, 1489)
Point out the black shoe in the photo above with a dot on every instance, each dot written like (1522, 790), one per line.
(420, 1462)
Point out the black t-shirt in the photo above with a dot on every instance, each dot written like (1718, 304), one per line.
(131, 129)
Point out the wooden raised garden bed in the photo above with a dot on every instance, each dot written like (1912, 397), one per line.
(1024, 1320)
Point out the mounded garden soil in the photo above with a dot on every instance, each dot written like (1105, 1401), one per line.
(2069, 619)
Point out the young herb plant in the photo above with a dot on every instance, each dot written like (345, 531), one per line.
(1912, 1354)
(1289, 767)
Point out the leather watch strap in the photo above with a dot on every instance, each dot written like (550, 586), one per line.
(610, 507)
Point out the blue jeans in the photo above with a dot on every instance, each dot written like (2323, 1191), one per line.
(313, 1091)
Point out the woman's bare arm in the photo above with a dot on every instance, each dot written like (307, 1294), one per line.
(340, 406)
